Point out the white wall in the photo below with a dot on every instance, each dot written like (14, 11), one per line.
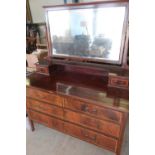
(38, 12)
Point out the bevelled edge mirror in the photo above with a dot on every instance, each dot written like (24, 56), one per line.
(92, 32)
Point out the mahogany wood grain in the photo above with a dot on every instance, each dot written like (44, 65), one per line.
(105, 127)
(87, 106)
(44, 108)
(93, 110)
(120, 141)
(44, 96)
(46, 120)
(91, 136)
(118, 81)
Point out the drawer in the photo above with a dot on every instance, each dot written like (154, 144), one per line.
(90, 136)
(44, 108)
(46, 120)
(44, 96)
(93, 110)
(43, 70)
(105, 127)
(119, 82)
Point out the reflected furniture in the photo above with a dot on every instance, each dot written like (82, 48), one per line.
(77, 92)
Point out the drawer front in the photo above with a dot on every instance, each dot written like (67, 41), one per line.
(93, 110)
(106, 127)
(44, 108)
(120, 82)
(90, 136)
(44, 96)
(43, 70)
(46, 120)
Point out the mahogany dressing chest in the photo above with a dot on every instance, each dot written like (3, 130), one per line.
(82, 87)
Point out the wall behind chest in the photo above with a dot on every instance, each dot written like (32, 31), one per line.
(38, 12)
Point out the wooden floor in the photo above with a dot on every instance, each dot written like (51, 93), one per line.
(45, 141)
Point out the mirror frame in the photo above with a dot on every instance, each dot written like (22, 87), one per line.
(84, 6)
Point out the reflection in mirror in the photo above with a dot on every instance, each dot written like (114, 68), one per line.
(88, 33)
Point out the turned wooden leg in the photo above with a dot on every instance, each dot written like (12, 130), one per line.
(118, 150)
(32, 125)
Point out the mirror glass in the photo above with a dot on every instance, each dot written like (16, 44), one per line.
(94, 33)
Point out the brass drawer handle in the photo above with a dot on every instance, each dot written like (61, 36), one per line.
(120, 82)
(86, 135)
(84, 108)
(94, 111)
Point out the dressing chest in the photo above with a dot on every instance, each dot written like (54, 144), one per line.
(82, 96)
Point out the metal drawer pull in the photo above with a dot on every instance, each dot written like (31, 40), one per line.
(94, 111)
(85, 134)
(120, 82)
(84, 108)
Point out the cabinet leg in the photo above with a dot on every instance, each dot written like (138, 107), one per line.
(118, 152)
(32, 125)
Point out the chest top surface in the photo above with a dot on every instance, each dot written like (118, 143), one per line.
(87, 88)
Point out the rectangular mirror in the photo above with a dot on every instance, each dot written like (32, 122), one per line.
(91, 32)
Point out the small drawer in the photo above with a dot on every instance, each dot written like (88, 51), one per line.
(44, 108)
(90, 136)
(46, 120)
(43, 70)
(119, 82)
(44, 96)
(105, 127)
(93, 110)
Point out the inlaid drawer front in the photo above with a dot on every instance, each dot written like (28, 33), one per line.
(40, 118)
(90, 109)
(121, 82)
(105, 127)
(90, 136)
(44, 96)
(42, 70)
(45, 108)
(46, 120)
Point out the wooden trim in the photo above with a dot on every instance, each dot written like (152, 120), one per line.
(28, 12)
(126, 49)
(48, 35)
(108, 2)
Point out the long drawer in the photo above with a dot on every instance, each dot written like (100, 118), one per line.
(44, 96)
(91, 136)
(44, 108)
(93, 110)
(105, 127)
(46, 120)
